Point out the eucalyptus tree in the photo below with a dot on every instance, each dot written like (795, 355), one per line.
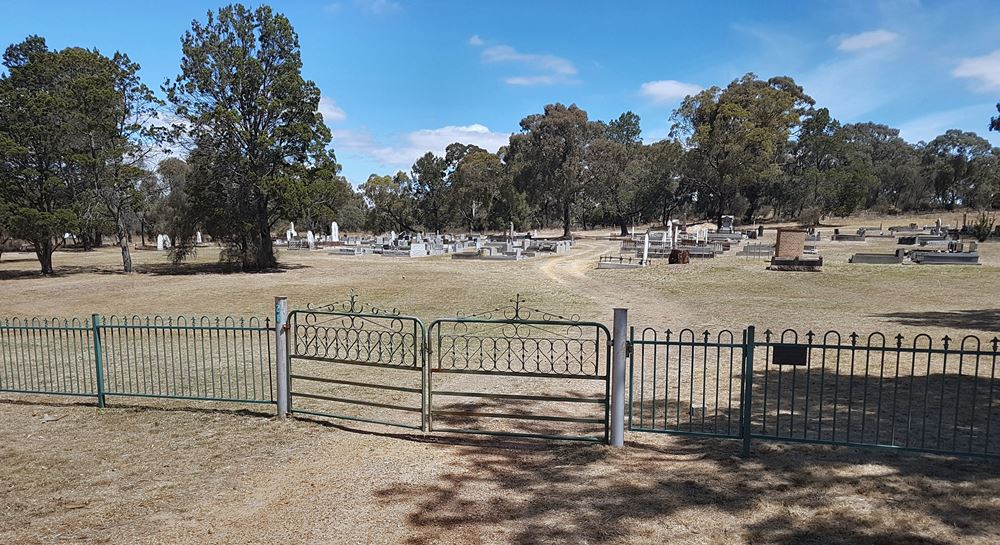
(254, 123)
(390, 203)
(733, 137)
(548, 158)
(431, 191)
(954, 162)
(616, 166)
(995, 122)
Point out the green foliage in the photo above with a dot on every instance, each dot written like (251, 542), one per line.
(547, 158)
(982, 228)
(391, 203)
(259, 141)
(40, 142)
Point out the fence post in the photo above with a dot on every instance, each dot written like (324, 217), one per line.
(618, 377)
(281, 345)
(746, 403)
(95, 323)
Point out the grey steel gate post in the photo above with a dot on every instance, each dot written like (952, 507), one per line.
(746, 400)
(281, 362)
(618, 377)
(95, 322)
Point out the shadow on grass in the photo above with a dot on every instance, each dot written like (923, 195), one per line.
(152, 269)
(650, 491)
(979, 319)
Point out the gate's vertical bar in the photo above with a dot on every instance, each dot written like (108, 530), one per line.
(746, 403)
(281, 362)
(618, 378)
(95, 323)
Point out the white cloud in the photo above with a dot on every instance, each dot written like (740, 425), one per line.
(549, 69)
(379, 7)
(414, 144)
(984, 71)
(374, 7)
(475, 40)
(928, 126)
(867, 40)
(331, 112)
(667, 90)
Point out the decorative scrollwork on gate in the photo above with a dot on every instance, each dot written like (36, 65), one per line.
(516, 311)
(353, 305)
(342, 332)
(516, 339)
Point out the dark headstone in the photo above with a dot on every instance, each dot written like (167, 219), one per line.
(679, 257)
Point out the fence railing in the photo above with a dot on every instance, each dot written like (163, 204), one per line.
(199, 358)
(827, 389)
(917, 394)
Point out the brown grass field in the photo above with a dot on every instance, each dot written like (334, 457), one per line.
(187, 472)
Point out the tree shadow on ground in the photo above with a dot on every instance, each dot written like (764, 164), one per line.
(154, 269)
(652, 492)
(660, 488)
(979, 319)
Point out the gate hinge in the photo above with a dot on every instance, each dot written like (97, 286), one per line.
(628, 348)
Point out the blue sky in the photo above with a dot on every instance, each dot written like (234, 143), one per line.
(402, 77)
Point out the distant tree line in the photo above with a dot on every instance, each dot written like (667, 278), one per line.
(84, 150)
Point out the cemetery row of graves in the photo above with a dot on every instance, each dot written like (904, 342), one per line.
(793, 250)
(796, 249)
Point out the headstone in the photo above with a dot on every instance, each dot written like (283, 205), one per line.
(645, 248)
(197, 237)
(160, 244)
(311, 238)
(166, 241)
(727, 224)
(511, 235)
(790, 243)
(392, 237)
(334, 232)
(288, 235)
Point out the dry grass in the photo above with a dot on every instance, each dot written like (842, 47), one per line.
(215, 474)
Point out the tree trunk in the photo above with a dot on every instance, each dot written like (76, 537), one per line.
(44, 249)
(624, 225)
(126, 254)
(264, 258)
(566, 227)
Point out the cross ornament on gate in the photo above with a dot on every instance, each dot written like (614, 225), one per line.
(517, 300)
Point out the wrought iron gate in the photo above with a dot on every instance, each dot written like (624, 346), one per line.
(350, 362)
(544, 375)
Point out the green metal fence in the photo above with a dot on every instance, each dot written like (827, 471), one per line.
(48, 356)
(831, 389)
(197, 358)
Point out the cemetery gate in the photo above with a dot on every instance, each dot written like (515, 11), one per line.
(353, 362)
(537, 374)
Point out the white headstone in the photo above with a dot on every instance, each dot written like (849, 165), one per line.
(160, 245)
(166, 241)
(645, 247)
(334, 232)
(288, 235)
(392, 236)
(311, 239)
(291, 228)
(197, 237)
(511, 235)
